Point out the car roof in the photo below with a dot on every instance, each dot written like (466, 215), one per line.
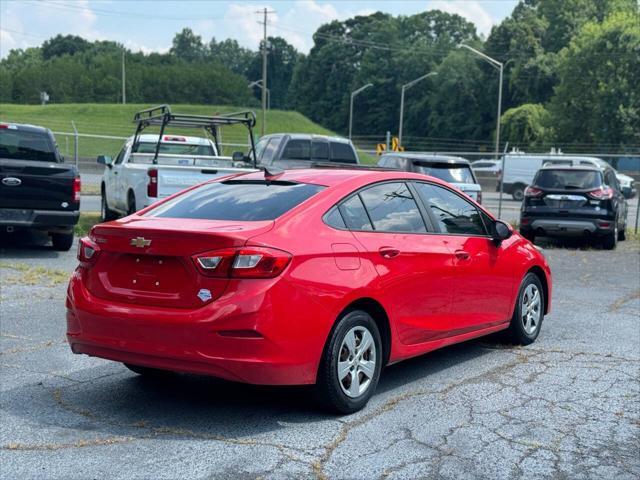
(592, 168)
(430, 157)
(336, 176)
(25, 127)
(308, 136)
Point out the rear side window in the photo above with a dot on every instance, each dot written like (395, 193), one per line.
(26, 145)
(354, 214)
(342, 152)
(448, 173)
(454, 214)
(297, 149)
(392, 208)
(568, 179)
(237, 201)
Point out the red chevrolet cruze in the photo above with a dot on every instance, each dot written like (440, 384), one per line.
(304, 277)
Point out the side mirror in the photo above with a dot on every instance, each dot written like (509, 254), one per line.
(105, 160)
(500, 231)
(239, 157)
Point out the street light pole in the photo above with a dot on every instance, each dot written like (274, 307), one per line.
(404, 88)
(258, 83)
(500, 66)
(353, 94)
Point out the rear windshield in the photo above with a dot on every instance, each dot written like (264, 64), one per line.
(25, 145)
(568, 179)
(448, 173)
(174, 148)
(237, 201)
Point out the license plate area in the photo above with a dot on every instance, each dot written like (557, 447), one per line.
(15, 215)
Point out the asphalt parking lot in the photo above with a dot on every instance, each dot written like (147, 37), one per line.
(567, 406)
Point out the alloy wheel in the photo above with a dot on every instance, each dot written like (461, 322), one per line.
(356, 362)
(531, 310)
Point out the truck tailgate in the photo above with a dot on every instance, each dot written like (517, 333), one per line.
(36, 185)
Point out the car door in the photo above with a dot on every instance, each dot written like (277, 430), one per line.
(483, 281)
(620, 202)
(414, 266)
(118, 179)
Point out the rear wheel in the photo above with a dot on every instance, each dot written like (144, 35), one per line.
(131, 203)
(529, 312)
(351, 363)
(62, 241)
(146, 371)
(610, 241)
(106, 213)
(517, 192)
(622, 234)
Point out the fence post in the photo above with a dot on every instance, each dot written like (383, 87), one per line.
(637, 212)
(75, 142)
(388, 140)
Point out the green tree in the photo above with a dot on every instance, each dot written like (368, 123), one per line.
(598, 99)
(63, 45)
(526, 126)
(187, 45)
(230, 54)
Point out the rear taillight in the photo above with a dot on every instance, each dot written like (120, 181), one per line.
(88, 251)
(532, 192)
(249, 262)
(75, 192)
(602, 193)
(479, 199)
(152, 185)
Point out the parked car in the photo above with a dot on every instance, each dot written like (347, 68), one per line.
(154, 166)
(575, 201)
(490, 168)
(308, 276)
(299, 150)
(38, 191)
(520, 169)
(454, 170)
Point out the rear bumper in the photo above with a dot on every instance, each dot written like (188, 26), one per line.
(41, 219)
(241, 339)
(570, 227)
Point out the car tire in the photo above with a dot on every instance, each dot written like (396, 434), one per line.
(146, 371)
(106, 214)
(346, 359)
(622, 234)
(517, 192)
(610, 240)
(131, 203)
(528, 312)
(62, 242)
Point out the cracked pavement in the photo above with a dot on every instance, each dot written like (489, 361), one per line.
(567, 406)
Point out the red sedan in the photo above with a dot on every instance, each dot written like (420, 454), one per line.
(304, 277)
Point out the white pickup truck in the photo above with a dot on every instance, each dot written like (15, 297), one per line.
(150, 167)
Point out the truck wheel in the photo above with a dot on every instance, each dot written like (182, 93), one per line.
(517, 192)
(62, 241)
(106, 213)
(131, 203)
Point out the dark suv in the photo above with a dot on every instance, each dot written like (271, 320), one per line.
(574, 201)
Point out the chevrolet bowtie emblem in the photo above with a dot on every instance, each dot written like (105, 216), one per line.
(140, 242)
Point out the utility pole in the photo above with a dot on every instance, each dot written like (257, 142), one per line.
(265, 12)
(124, 89)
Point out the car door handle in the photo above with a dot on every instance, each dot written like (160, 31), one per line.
(462, 255)
(389, 252)
(115, 173)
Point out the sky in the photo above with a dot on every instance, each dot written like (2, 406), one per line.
(149, 25)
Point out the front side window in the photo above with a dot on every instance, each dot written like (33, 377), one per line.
(450, 173)
(270, 150)
(392, 208)
(237, 201)
(121, 155)
(454, 214)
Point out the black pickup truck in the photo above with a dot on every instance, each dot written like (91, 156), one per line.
(37, 190)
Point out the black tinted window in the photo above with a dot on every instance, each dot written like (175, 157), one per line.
(568, 179)
(174, 149)
(297, 150)
(453, 213)
(448, 173)
(237, 201)
(270, 150)
(334, 218)
(320, 150)
(342, 152)
(354, 214)
(389, 162)
(25, 145)
(392, 208)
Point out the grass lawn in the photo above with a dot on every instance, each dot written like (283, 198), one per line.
(115, 120)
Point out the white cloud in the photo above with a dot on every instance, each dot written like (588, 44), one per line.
(470, 10)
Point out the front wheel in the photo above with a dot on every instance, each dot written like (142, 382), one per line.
(106, 214)
(131, 203)
(529, 312)
(351, 363)
(62, 241)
